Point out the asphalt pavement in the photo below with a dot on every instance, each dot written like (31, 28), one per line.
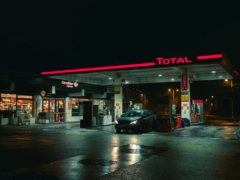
(66, 151)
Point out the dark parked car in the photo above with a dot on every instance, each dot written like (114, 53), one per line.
(137, 120)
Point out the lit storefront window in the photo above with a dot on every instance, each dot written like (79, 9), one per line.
(17, 103)
(77, 107)
(75, 103)
(24, 105)
(8, 102)
(45, 105)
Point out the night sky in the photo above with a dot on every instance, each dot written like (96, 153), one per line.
(37, 36)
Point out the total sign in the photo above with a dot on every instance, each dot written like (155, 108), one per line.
(172, 60)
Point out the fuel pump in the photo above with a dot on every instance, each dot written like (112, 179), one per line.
(197, 111)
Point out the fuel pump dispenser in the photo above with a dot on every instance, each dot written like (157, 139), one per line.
(197, 111)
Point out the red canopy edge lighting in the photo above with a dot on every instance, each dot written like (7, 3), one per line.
(207, 57)
(126, 66)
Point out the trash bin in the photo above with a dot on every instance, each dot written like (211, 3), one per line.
(86, 123)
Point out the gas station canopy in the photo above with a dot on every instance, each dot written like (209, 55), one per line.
(159, 70)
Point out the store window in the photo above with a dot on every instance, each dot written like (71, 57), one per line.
(77, 106)
(46, 105)
(24, 105)
(8, 102)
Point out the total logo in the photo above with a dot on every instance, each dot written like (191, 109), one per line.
(173, 60)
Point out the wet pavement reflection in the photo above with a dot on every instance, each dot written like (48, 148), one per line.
(101, 163)
(89, 153)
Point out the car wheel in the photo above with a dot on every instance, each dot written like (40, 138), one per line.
(118, 130)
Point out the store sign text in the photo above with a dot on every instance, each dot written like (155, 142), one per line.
(70, 84)
(173, 60)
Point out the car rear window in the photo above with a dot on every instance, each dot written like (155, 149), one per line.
(132, 114)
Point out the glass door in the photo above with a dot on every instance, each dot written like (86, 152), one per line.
(45, 105)
(60, 112)
(52, 106)
(52, 109)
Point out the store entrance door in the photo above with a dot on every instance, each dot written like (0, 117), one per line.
(57, 110)
(59, 115)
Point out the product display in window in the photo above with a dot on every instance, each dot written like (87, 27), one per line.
(8, 102)
(46, 106)
(75, 103)
(24, 106)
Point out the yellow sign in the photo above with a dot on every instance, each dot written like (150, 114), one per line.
(117, 90)
(185, 98)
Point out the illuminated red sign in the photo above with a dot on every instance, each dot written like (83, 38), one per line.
(103, 68)
(235, 72)
(160, 61)
(184, 82)
(173, 60)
